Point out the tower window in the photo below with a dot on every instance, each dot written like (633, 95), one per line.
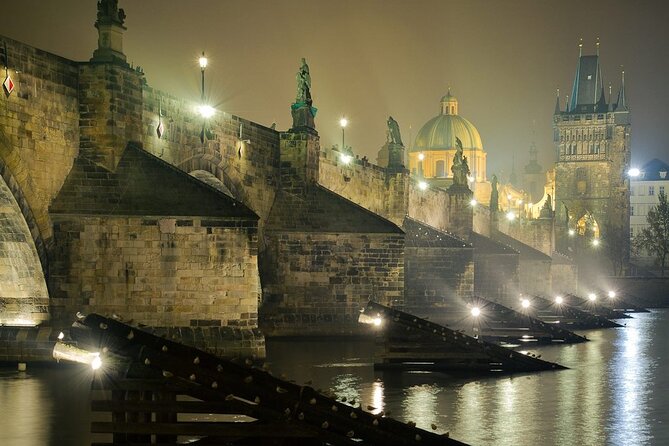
(631, 211)
(651, 190)
(661, 189)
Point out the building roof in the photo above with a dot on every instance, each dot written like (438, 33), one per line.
(525, 251)
(142, 184)
(654, 170)
(420, 235)
(486, 245)
(439, 133)
(587, 94)
(321, 210)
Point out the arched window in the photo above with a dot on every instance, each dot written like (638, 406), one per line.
(440, 170)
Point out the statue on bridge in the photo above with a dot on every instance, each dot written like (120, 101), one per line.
(494, 195)
(303, 84)
(547, 209)
(302, 110)
(394, 132)
(460, 168)
(108, 12)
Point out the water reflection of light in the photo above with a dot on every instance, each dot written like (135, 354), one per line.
(346, 385)
(420, 405)
(632, 383)
(25, 398)
(377, 397)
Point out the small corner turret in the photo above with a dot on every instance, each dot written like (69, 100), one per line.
(110, 28)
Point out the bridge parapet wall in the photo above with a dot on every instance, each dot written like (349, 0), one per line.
(395, 195)
(248, 165)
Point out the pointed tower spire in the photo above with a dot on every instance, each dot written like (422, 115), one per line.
(566, 103)
(597, 44)
(580, 47)
(622, 99)
(557, 103)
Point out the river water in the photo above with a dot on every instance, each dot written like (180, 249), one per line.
(616, 392)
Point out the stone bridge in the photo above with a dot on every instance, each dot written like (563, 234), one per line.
(99, 209)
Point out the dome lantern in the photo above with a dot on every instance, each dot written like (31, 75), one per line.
(449, 104)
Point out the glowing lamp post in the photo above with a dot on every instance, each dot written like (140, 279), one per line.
(595, 242)
(476, 312)
(525, 303)
(510, 216)
(206, 111)
(473, 202)
(559, 300)
(592, 297)
(422, 185)
(612, 294)
(343, 122)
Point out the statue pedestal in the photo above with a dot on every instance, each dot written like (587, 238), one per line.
(303, 117)
(395, 157)
(459, 189)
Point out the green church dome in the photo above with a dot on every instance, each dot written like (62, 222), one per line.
(439, 133)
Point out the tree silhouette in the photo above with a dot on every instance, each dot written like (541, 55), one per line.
(655, 238)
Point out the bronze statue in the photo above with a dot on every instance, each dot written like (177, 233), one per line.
(547, 209)
(394, 132)
(460, 167)
(494, 195)
(108, 12)
(303, 84)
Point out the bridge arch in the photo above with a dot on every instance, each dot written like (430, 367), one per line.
(24, 298)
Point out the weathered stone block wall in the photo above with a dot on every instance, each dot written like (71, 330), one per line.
(248, 165)
(110, 110)
(564, 278)
(299, 161)
(481, 223)
(368, 185)
(497, 277)
(440, 209)
(24, 298)
(535, 233)
(39, 132)
(323, 279)
(158, 271)
(535, 276)
(437, 277)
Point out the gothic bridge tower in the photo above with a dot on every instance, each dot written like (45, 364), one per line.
(592, 140)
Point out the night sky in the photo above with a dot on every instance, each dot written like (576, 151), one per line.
(370, 59)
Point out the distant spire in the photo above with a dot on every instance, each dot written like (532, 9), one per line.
(597, 44)
(566, 103)
(513, 179)
(580, 47)
(557, 103)
(622, 99)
